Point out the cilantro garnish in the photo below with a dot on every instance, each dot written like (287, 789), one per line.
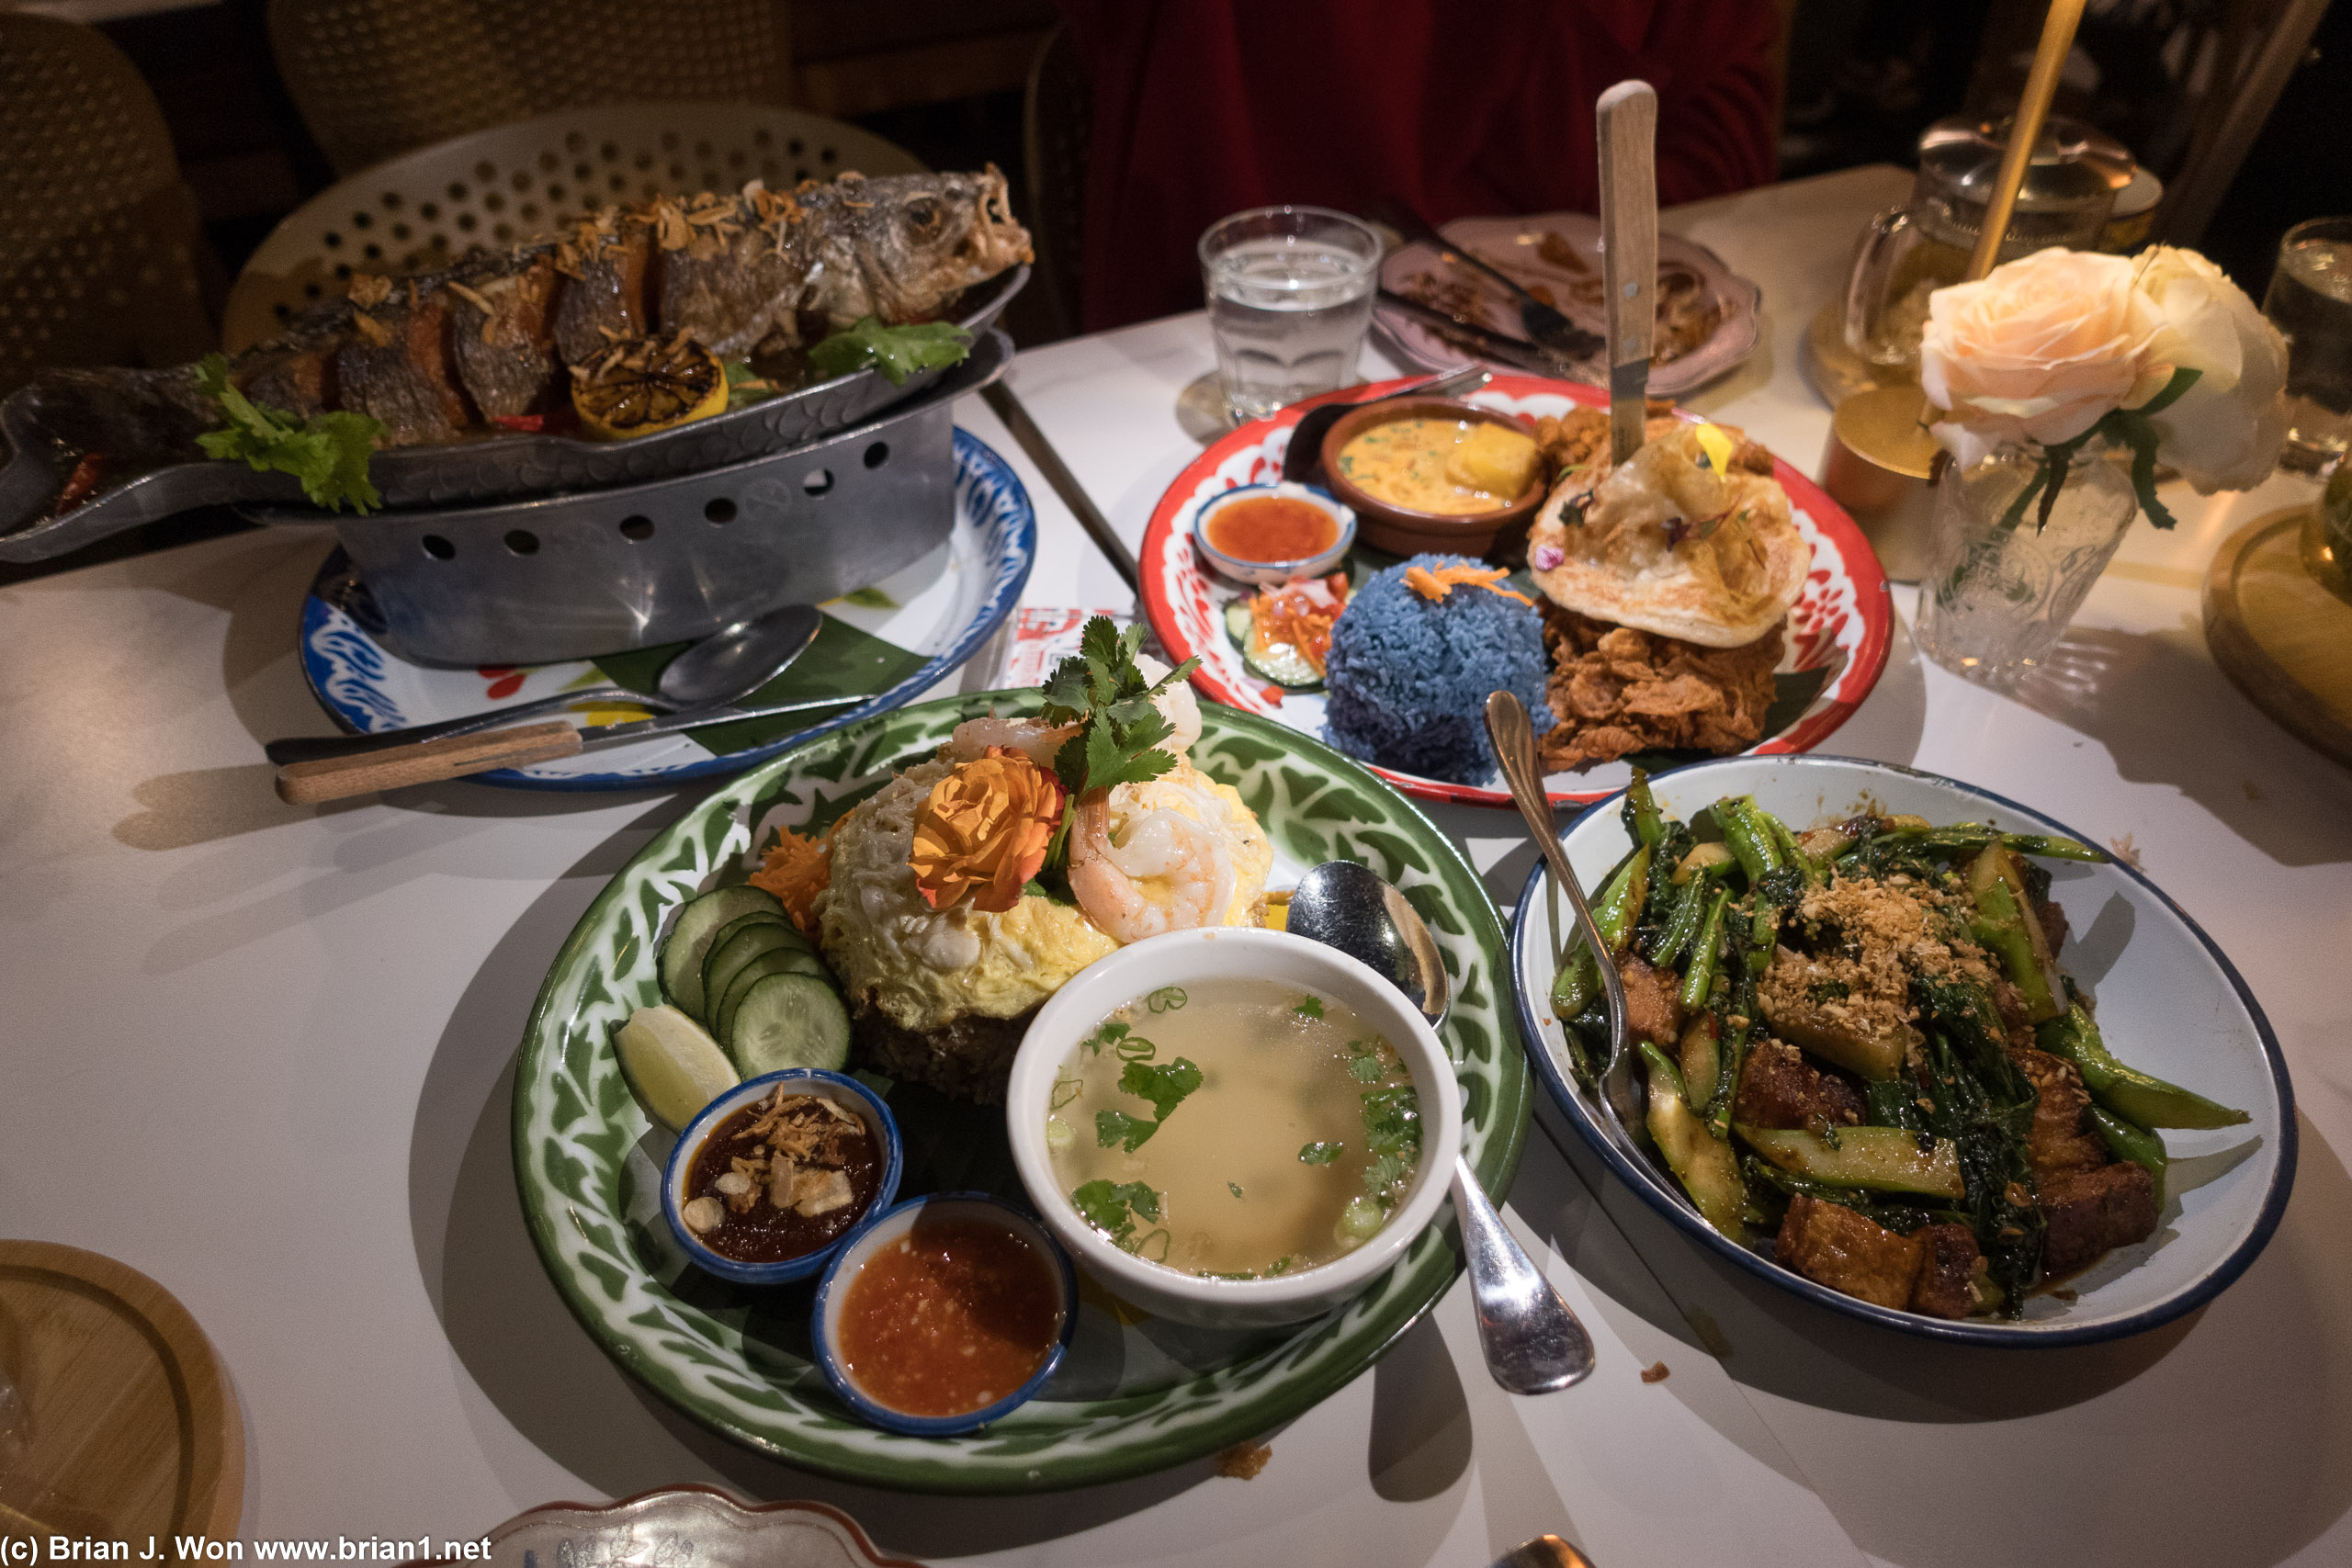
(1110, 1033)
(328, 452)
(1101, 689)
(1165, 1086)
(1365, 1068)
(1105, 1205)
(896, 352)
(1319, 1154)
(1392, 1125)
(1234, 1188)
(1309, 1007)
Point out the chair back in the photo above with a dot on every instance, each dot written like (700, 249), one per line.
(375, 78)
(1057, 128)
(101, 256)
(514, 183)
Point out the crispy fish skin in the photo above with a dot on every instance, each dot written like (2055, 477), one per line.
(493, 336)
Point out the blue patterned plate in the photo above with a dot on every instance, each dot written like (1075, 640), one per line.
(1136, 1393)
(910, 631)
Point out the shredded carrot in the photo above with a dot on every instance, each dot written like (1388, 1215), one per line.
(1435, 585)
(1289, 616)
(797, 869)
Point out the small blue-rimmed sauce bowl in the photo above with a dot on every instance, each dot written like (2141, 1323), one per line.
(1222, 534)
(847, 1093)
(943, 1314)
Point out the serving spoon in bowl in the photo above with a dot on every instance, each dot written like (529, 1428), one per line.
(718, 671)
(1532, 1340)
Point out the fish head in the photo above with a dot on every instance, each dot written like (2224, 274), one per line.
(922, 239)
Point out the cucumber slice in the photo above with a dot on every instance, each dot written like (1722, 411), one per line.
(776, 961)
(737, 944)
(1284, 665)
(789, 1021)
(675, 1069)
(689, 940)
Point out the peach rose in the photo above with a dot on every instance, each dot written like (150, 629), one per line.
(984, 830)
(2038, 351)
(2225, 432)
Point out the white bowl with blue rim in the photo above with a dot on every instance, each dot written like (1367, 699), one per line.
(2170, 1003)
(1273, 574)
(833, 1293)
(1204, 956)
(851, 1096)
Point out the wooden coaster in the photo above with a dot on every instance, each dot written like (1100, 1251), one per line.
(2285, 640)
(124, 1423)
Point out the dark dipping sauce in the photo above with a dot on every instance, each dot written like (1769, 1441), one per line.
(951, 1317)
(1270, 528)
(762, 1233)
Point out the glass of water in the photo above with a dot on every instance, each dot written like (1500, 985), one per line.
(2310, 301)
(1290, 295)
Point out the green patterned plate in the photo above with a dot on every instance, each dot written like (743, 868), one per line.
(1136, 1394)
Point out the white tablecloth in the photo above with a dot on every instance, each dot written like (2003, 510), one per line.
(263, 1053)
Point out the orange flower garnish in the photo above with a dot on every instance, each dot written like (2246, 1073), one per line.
(1435, 585)
(984, 830)
(797, 869)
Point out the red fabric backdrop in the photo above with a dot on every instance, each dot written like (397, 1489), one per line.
(1207, 106)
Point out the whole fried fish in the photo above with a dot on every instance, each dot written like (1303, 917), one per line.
(447, 354)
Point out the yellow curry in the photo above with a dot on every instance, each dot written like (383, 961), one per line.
(1453, 466)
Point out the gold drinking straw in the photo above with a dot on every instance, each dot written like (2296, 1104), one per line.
(2041, 87)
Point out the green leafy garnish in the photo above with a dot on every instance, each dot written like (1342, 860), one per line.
(1309, 1007)
(1164, 1085)
(1105, 1205)
(746, 385)
(1234, 1188)
(328, 452)
(1101, 689)
(1110, 1033)
(1392, 1125)
(1365, 1068)
(896, 352)
(1319, 1154)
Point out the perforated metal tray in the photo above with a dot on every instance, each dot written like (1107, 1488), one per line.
(489, 469)
(598, 571)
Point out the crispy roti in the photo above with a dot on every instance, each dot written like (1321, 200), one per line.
(1688, 539)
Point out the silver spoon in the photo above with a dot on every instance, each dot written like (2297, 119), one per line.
(1531, 1339)
(720, 670)
(1513, 734)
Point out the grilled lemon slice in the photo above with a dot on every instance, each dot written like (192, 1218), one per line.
(642, 386)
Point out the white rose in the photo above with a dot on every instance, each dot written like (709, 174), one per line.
(2225, 432)
(2040, 350)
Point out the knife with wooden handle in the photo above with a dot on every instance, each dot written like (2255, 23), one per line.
(1627, 116)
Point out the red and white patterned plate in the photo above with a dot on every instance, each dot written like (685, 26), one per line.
(1842, 623)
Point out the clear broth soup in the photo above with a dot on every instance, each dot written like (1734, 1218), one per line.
(1236, 1129)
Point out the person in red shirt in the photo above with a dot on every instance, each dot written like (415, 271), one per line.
(1204, 107)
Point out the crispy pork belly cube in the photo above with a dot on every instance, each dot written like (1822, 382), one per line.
(1833, 1245)
(1949, 1261)
(1653, 1011)
(1778, 1087)
(2063, 1138)
(2092, 1210)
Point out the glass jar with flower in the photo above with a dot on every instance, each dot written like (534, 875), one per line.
(2063, 376)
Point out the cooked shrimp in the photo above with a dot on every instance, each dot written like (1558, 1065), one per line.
(1034, 738)
(1163, 872)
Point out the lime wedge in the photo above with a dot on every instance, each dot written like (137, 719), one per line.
(675, 1069)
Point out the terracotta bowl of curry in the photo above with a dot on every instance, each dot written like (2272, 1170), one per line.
(1433, 474)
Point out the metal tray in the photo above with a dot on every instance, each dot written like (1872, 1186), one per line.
(487, 468)
(600, 571)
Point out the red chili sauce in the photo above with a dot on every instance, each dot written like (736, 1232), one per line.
(949, 1318)
(1270, 528)
(763, 1233)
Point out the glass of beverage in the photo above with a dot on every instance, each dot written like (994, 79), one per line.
(2310, 301)
(1290, 295)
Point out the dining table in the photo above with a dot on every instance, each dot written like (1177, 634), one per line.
(264, 1055)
